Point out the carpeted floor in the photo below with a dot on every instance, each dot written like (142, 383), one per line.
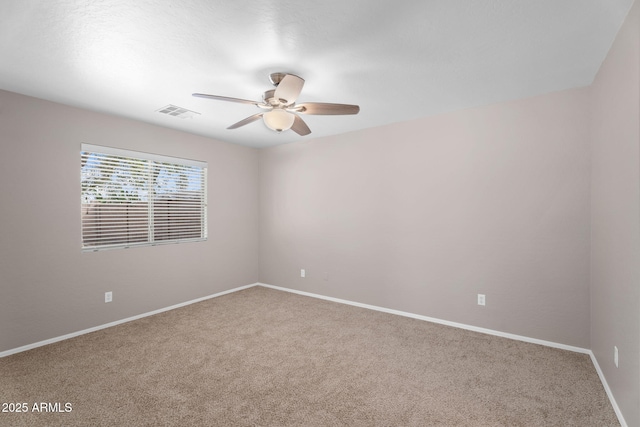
(262, 357)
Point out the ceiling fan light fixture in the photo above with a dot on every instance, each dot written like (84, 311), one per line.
(278, 120)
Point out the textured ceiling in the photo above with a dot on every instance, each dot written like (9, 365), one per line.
(398, 60)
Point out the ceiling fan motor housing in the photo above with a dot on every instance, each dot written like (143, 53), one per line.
(270, 99)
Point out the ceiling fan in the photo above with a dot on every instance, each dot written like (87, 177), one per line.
(281, 111)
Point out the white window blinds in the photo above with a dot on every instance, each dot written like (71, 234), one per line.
(133, 199)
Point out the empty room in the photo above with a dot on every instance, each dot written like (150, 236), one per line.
(354, 213)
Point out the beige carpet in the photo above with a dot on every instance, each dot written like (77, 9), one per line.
(262, 357)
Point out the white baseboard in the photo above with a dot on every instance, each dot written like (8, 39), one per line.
(435, 320)
(117, 322)
(616, 408)
(603, 380)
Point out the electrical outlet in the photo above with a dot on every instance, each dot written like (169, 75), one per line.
(303, 273)
(615, 355)
(108, 296)
(481, 299)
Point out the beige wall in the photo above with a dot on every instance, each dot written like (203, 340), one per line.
(615, 225)
(48, 287)
(424, 215)
(535, 203)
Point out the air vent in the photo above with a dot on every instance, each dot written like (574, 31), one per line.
(174, 110)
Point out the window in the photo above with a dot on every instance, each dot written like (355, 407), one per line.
(136, 199)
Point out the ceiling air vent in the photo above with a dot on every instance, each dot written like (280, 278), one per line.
(174, 110)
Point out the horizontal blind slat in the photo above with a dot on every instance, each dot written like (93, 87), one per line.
(121, 193)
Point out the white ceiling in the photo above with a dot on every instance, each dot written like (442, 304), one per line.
(398, 59)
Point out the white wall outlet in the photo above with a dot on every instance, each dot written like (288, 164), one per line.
(303, 273)
(108, 296)
(615, 355)
(481, 299)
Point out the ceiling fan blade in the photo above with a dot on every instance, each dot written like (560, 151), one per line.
(300, 127)
(246, 121)
(224, 98)
(326, 109)
(289, 88)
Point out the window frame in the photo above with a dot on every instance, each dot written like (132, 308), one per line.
(152, 160)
